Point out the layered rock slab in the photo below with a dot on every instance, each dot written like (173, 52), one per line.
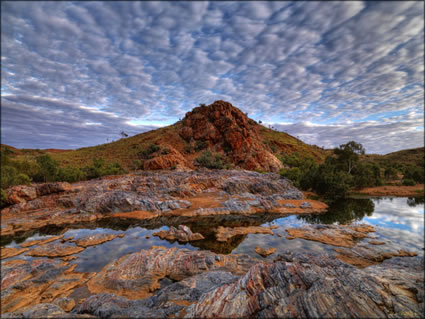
(137, 275)
(55, 250)
(225, 233)
(317, 287)
(26, 283)
(182, 234)
(336, 235)
(169, 301)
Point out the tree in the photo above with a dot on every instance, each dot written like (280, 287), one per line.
(48, 167)
(348, 154)
(123, 134)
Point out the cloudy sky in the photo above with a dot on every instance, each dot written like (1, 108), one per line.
(75, 74)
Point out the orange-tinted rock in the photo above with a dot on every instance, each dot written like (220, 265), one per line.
(365, 255)
(25, 283)
(55, 250)
(229, 130)
(336, 235)
(20, 194)
(225, 233)
(40, 241)
(167, 161)
(94, 240)
(182, 234)
(264, 252)
(137, 275)
(11, 252)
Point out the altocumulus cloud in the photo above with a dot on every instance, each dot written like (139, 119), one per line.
(77, 73)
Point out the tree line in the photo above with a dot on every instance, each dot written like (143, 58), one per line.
(343, 170)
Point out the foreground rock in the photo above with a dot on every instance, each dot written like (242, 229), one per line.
(44, 310)
(151, 195)
(137, 275)
(336, 235)
(55, 250)
(318, 287)
(171, 300)
(26, 283)
(225, 233)
(182, 234)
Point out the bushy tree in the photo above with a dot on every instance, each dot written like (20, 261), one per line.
(348, 154)
(48, 168)
(414, 173)
(71, 174)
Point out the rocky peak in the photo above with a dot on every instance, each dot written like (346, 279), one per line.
(228, 130)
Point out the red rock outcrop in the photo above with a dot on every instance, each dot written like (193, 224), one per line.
(172, 160)
(226, 129)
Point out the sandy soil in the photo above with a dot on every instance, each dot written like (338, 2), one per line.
(401, 191)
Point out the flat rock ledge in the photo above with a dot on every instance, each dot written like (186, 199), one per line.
(225, 233)
(181, 234)
(336, 235)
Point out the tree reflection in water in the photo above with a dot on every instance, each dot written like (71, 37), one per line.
(343, 212)
(414, 201)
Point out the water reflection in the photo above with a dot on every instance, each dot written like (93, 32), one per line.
(398, 220)
(342, 212)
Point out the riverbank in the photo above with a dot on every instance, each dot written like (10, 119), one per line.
(397, 191)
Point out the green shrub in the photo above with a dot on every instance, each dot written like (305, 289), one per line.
(22, 179)
(200, 145)
(48, 168)
(165, 151)
(8, 176)
(209, 160)
(71, 174)
(408, 182)
(3, 198)
(147, 153)
(415, 173)
(188, 149)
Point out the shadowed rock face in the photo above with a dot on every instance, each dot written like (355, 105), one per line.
(153, 194)
(137, 275)
(318, 287)
(170, 300)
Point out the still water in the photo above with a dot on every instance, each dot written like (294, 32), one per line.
(399, 221)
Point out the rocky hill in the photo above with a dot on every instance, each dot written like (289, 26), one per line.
(220, 128)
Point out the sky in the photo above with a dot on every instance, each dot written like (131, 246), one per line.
(76, 74)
